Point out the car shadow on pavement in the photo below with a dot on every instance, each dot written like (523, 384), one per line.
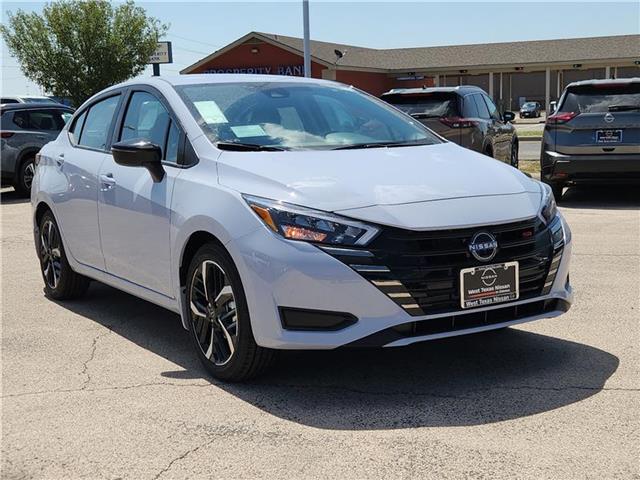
(469, 380)
(609, 197)
(9, 196)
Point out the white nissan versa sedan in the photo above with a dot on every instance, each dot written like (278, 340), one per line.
(289, 213)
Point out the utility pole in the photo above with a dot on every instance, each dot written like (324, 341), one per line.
(306, 46)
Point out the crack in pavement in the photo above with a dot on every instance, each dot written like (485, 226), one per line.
(182, 456)
(334, 388)
(92, 355)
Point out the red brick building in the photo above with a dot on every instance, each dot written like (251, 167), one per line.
(511, 72)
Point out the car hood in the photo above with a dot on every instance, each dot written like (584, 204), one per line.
(351, 179)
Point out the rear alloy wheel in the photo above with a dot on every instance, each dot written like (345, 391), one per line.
(219, 318)
(514, 155)
(25, 176)
(60, 281)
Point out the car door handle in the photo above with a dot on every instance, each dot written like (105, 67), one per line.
(60, 160)
(107, 182)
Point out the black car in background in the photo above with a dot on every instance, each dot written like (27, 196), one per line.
(531, 110)
(465, 115)
(594, 135)
(24, 129)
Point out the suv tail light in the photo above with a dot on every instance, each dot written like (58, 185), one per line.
(6, 134)
(562, 117)
(457, 122)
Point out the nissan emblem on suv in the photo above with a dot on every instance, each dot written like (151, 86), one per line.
(483, 246)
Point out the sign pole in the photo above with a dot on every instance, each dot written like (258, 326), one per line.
(306, 46)
(163, 54)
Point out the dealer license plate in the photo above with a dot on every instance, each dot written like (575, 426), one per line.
(489, 284)
(608, 136)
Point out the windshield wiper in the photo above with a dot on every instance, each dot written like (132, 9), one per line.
(248, 147)
(379, 145)
(623, 108)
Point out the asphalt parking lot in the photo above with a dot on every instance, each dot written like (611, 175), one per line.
(108, 387)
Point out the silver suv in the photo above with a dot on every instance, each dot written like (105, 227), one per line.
(465, 115)
(594, 135)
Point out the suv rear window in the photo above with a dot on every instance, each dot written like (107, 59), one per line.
(600, 99)
(49, 120)
(425, 105)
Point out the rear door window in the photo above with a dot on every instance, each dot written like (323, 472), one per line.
(602, 98)
(49, 120)
(76, 128)
(95, 131)
(426, 105)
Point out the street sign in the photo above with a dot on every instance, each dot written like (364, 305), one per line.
(163, 54)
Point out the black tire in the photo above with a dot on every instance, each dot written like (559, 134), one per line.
(60, 281)
(24, 178)
(514, 161)
(557, 189)
(246, 359)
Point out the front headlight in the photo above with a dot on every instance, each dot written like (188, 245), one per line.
(548, 209)
(300, 223)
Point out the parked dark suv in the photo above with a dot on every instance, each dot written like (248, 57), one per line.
(24, 129)
(464, 115)
(594, 135)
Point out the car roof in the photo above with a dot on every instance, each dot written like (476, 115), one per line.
(612, 81)
(412, 91)
(209, 78)
(34, 106)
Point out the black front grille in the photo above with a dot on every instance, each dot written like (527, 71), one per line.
(420, 270)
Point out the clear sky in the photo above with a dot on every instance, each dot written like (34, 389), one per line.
(197, 29)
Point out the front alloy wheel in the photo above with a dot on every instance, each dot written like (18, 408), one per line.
(514, 155)
(213, 313)
(219, 320)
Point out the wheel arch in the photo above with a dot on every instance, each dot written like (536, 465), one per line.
(194, 242)
(41, 208)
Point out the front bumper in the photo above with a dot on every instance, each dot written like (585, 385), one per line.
(608, 168)
(278, 273)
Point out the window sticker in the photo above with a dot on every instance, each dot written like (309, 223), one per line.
(243, 131)
(210, 112)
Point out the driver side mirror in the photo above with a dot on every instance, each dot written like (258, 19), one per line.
(508, 116)
(139, 153)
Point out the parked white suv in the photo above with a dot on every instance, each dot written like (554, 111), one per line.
(280, 213)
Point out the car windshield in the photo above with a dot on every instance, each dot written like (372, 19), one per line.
(291, 115)
(602, 98)
(529, 105)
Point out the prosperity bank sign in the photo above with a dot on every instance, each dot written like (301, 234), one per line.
(291, 70)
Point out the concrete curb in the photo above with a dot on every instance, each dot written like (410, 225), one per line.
(530, 139)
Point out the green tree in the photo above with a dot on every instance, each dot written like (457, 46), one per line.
(76, 48)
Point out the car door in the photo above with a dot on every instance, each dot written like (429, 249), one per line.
(502, 131)
(134, 209)
(474, 136)
(73, 179)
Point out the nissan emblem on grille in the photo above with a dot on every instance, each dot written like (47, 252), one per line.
(483, 246)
